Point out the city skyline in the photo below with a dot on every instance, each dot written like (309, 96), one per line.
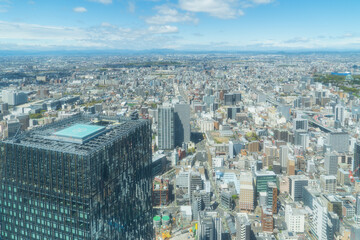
(179, 119)
(201, 25)
(148, 146)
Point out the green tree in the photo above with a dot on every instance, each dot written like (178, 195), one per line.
(35, 115)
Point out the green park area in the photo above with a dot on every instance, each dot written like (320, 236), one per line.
(349, 84)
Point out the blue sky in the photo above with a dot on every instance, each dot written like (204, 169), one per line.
(180, 24)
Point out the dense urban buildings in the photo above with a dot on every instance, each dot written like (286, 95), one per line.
(180, 146)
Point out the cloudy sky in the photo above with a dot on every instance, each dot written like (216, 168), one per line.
(180, 24)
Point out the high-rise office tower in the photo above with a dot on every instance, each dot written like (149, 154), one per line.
(181, 123)
(209, 91)
(4, 107)
(195, 183)
(283, 135)
(262, 178)
(357, 210)
(272, 194)
(335, 204)
(267, 220)
(355, 232)
(197, 205)
(13, 127)
(247, 193)
(226, 200)
(243, 227)
(328, 183)
(206, 228)
(301, 138)
(296, 185)
(356, 160)
(331, 163)
(237, 97)
(14, 98)
(284, 152)
(174, 158)
(235, 148)
(166, 127)
(343, 177)
(214, 107)
(285, 111)
(82, 177)
(338, 141)
(208, 100)
(201, 198)
(173, 125)
(210, 227)
(295, 219)
(309, 195)
(291, 167)
(335, 220)
(300, 124)
(229, 99)
(232, 111)
(340, 114)
(320, 225)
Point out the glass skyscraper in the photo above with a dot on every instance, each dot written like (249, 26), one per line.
(182, 130)
(173, 125)
(262, 178)
(356, 161)
(166, 127)
(84, 177)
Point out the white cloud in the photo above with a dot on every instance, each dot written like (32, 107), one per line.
(262, 1)
(4, 8)
(80, 9)
(131, 7)
(105, 24)
(241, 12)
(102, 1)
(307, 43)
(105, 36)
(5, 5)
(347, 35)
(225, 9)
(163, 29)
(19, 36)
(27, 31)
(166, 15)
(254, 3)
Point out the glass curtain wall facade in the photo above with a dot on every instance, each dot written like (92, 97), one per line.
(100, 189)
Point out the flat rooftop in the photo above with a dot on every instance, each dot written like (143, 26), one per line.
(78, 132)
(264, 173)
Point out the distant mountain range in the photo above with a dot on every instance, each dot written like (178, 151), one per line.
(161, 52)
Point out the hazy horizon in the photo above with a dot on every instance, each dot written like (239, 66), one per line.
(183, 25)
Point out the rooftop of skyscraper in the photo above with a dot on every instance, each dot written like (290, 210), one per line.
(242, 218)
(79, 134)
(298, 177)
(264, 173)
